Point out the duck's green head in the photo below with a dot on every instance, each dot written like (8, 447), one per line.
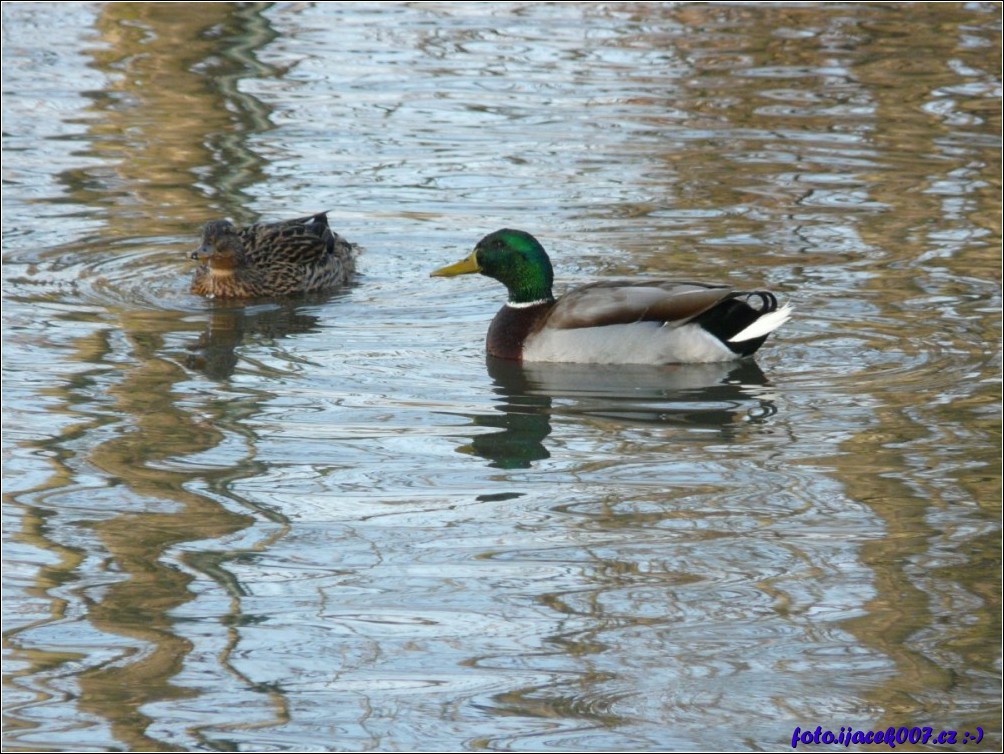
(514, 258)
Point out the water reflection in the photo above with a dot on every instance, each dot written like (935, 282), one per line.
(131, 501)
(699, 396)
(176, 124)
(215, 354)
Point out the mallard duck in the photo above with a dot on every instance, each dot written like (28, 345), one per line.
(616, 321)
(271, 259)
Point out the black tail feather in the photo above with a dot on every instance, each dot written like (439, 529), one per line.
(734, 314)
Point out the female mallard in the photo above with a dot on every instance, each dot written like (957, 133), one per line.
(272, 259)
(616, 321)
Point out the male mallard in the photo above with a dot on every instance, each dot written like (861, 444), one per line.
(616, 321)
(271, 259)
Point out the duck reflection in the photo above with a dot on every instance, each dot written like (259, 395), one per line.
(214, 353)
(523, 420)
(720, 396)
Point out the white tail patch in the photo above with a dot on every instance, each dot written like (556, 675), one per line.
(765, 324)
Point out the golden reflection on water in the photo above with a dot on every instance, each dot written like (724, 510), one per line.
(140, 605)
(915, 114)
(173, 97)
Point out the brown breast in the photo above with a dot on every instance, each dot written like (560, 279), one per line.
(512, 326)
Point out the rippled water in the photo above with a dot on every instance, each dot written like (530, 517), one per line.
(331, 525)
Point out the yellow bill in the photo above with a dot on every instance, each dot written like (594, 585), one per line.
(463, 267)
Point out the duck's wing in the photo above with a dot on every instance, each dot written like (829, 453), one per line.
(303, 241)
(621, 302)
(320, 219)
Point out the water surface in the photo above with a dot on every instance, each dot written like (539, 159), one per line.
(331, 524)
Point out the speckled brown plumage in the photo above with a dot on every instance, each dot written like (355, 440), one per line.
(272, 259)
